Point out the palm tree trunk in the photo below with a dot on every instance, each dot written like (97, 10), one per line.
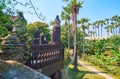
(101, 29)
(68, 37)
(113, 31)
(88, 31)
(98, 32)
(116, 30)
(119, 29)
(95, 31)
(108, 31)
(83, 41)
(75, 40)
(83, 28)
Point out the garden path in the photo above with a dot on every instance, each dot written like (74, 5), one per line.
(94, 70)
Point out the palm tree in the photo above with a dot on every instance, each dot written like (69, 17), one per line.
(102, 22)
(119, 24)
(66, 16)
(82, 21)
(98, 26)
(74, 7)
(108, 30)
(88, 26)
(91, 33)
(107, 27)
(115, 20)
(94, 28)
(112, 26)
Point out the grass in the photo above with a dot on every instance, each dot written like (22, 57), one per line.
(93, 66)
(81, 73)
(108, 69)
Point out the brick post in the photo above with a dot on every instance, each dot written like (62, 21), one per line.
(56, 31)
(36, 37)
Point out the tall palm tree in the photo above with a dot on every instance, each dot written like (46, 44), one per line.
(88, 26)
(66, 16)
(107, 27)
(112, 26)
(119, 24)
(74, 6)
(98, 27)
(94, 28)
(115, 20)
(91, 33)
(108, 30)
(102, 22)
(82, 21)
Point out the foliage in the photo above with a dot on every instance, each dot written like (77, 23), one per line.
(8, 11)
(104, 64)
(64, 37)
(9, 7)
(3, 31)
(81, 73)
(65, 0)
(105, 53)
(4, 19)
(43, 28)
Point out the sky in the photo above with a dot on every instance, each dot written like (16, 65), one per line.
(91, 9)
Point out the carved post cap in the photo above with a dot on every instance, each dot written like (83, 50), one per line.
(36, 33)
(56, 30)
(36, 37)
(57, 21)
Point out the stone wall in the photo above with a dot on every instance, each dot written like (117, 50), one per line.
(14, 70)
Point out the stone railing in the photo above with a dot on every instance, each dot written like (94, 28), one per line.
(47, 58)
(43, 56)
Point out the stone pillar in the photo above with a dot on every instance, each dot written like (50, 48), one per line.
(36, 37)
(42, 38)
(56, 31)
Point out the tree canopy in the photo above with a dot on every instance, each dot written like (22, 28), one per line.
(43, 28)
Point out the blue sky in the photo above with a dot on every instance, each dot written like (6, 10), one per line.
(92, 9)
(100, 9)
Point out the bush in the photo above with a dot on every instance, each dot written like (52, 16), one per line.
(107, 66)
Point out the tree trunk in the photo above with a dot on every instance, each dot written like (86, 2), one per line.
(108, 31)
(95, 31)
(68, 37)
(101, 29)
(113, 31)
(83, 39)
(88, 31)
(119, 29)
(116, 30)
(98, 32)
(75, 40)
